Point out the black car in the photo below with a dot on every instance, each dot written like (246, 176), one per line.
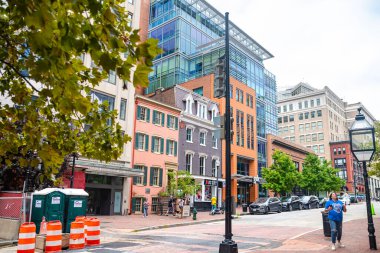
(265, 205)
(291, 203)
(310, 202)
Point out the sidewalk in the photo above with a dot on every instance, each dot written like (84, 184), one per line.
(136, 222)
(355, 238)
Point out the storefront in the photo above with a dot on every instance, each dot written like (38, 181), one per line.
(208, 188)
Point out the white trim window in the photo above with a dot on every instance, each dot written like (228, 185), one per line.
(202, 165)
(214, 141)
(189, 134)
(189, 162)
(189, 104)
(214, 168)
(202, 138)
(202, 111)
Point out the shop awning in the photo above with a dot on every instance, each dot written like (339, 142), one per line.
(108, 169)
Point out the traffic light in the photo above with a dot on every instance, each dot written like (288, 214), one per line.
(219, 80)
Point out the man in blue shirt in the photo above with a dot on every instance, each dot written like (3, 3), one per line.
(335, 208)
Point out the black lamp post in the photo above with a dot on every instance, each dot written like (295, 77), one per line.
(362, 141)
(75, 156)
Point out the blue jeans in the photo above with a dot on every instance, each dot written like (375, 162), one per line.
(336, 230)
(145, 212)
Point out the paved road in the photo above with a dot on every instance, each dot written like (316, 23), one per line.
(264, 233)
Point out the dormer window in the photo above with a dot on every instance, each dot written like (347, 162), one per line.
(202, 111)
(189, 104)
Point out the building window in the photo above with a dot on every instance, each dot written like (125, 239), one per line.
(285, 108)
(138, 180)
(158, 118)
(156, 175)
(189, 134)
(291, 107)
(130, 1)
(250, 132)
(239, 95)
(339, 151)
(306, 104)
(292, 138)
(279, 120)
(306, 115)
(308, 138)
(155, 204)
(291, 129)
(300, 105)
(319, 113)
(171, 147)
(172, 122)
(344, 150)
(286, 129)
(239, 128)
(202, 138)
(202, 111)
(189, 163)
(214, 168)
(286, 119)
(111, 77)
(321, 149)
(301, 127)
(314, 137)
(214, 141)
(291, 118)
(318, 102)
(300, 116)
(334, 151)
(141, 141)
(138, 204)
(123, 109)
(307, 127)
(315, 149)
(199, 91)
(242, 167)
(302, 138)
(249, 100)
(143, 113)
(320, 136)
(156, 144)
(312, 103)
(313, 125)
(320, 125)
(202, 161)
(312, 114)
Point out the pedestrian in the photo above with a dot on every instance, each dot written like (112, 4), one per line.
(170, 206)
(213, 204)
(160, 206)
(335, 208)
(145, 207)
(181, 204)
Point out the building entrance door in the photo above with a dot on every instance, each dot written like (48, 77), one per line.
(243, 193)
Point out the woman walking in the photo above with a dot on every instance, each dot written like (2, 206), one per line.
(146, 206)
(335, 208)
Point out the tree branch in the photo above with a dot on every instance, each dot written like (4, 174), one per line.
(19, 74)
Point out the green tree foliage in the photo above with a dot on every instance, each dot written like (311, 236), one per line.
(282, 176)
(375, 164)
(41, 44)
(181, 184)
(319, 176)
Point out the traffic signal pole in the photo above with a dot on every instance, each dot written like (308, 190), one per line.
(228, 245)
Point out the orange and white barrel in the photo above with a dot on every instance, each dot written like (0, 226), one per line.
(27, 238)
(53, 236)
(77, 235)
(93, 231)
(83, 219)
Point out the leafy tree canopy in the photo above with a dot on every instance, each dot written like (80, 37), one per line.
(282, 176)
(51, 113)
(181, 183)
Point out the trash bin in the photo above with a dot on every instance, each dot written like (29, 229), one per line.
(75, 205)
(326, 225)
(244, 206)
(48, 203)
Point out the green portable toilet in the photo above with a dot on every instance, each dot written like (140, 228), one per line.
(49, 202)
(76, 205)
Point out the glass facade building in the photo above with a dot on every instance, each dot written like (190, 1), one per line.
(191, 34)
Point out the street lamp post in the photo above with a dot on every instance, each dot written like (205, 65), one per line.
(362, 141)
(75, 156)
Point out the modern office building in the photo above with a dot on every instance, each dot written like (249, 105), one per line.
(199, 149)
(311, 117)
(155, 150)
(191, 33)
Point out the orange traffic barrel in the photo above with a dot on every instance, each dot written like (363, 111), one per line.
(77, 235)
(53, 236)
(83, 218)
(93, 231)
(27, 238)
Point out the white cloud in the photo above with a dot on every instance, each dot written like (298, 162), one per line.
(322, 42)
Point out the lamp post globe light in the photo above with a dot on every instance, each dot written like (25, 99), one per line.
(362, 142)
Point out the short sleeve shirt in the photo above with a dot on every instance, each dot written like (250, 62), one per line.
(336, 214)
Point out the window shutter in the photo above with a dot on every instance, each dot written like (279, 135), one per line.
(133, 205)
(146, 142)
(163, 119)
(134, 180)
(162, 145)
(138, 112)
(137, 140)
(154, 116)
(153, 141)
(175, 148)
(151, 176)
(160, 177)
(167, 147)
(145, 174)
(168, 120)
(176, 123)
(147, 115)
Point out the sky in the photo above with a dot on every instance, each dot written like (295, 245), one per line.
(334, 43)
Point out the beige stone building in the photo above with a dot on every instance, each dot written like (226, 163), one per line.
(311, 117)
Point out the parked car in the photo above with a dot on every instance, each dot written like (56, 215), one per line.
(345, 199)
(310, 202)
(265, 205)
(291, 203)
(322, 202)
